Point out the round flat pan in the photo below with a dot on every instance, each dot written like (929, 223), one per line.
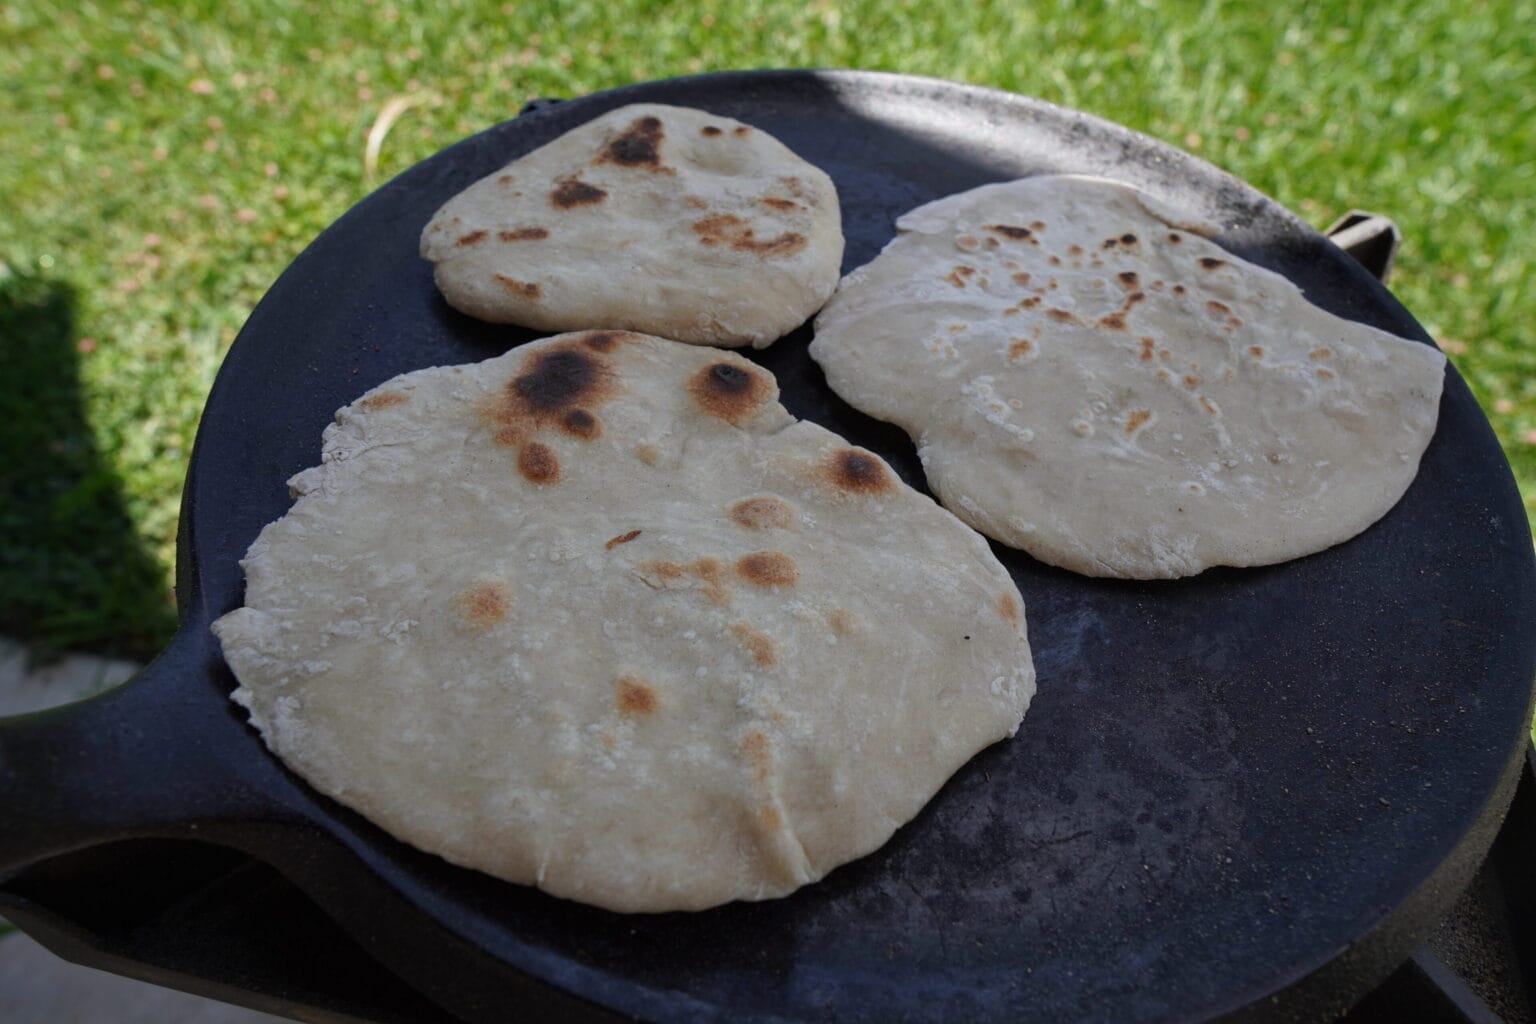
(1245, 793)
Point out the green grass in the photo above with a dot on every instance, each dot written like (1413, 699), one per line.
(160, 169)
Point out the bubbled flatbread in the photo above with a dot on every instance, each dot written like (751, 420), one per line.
(650, 218)
(1090, 379)
(600, 616)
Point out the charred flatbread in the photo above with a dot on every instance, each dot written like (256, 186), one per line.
(600, 616)
(650, 218)
(1089, 378)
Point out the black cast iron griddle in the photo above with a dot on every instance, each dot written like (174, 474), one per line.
(1247, 793)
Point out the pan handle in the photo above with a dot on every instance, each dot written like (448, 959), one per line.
(164, 755)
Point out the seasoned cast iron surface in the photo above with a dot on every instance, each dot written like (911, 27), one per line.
(1224, 781)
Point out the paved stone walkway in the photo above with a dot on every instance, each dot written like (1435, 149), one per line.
(37, 987)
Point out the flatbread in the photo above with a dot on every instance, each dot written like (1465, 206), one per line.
(650, 218)
(1090, 379)
(600, 616)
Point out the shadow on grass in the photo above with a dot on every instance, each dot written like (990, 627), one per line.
(72, 572)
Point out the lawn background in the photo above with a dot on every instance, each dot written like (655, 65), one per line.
(160, 166)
